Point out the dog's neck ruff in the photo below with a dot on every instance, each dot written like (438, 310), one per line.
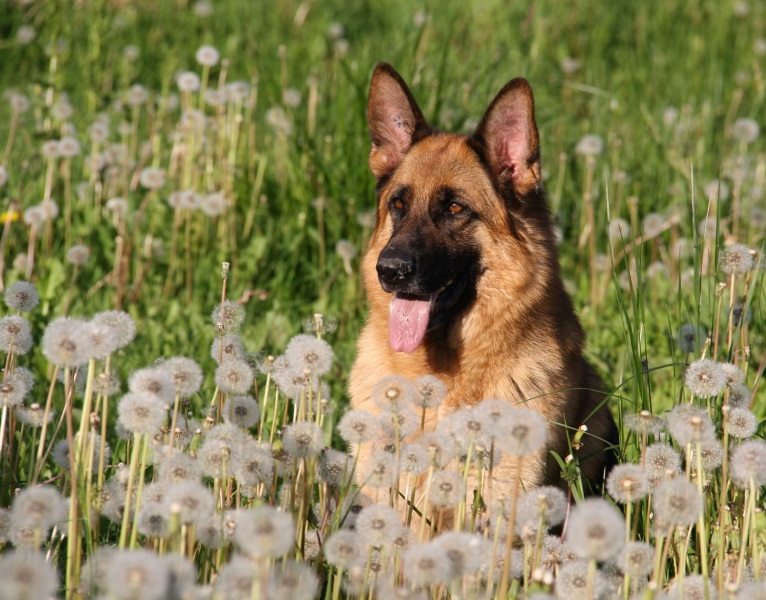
(408, 321)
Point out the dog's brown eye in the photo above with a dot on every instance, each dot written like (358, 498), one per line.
(398, 204)
(455, 208)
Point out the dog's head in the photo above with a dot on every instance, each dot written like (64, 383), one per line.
(444, 200)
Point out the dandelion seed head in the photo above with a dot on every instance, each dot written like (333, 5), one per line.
(39, 507)
(186, 375)
(15, 334)
(716, 189)
(179, 467)
(191, 499)
(745, 130)
(692, 587)
(627, 482)
(344, 549)
(690, 338)
(308, 352)
(27, 574)
(69, 147)
(346, 250)
(242, 411)
(392, 392)
(465, 550)
(153, 519)
(659, 459)
(227, 347)
(207, 56)
(595, 530)
(119, 324)
(572, 582)
(141, 412)
(21, 296)
(381, 471)
(688, 424)
(748, 461)
(619, 229)
(644, 423)
(447, 488)
(117, 206)
(214, 204)
(427, 565)
(152, 178)
(400, 424)
(188, 82)
(737, 259)
(525, 432)
(570, 65)
(292, 579)
(264, 532)
(156, 381)
(279, 121)
(136, 574)
(291, 98)
(334, 467)
(546, 502)
(358, 426)
(705, 378)
(33, 414)
(253, 464)
(302, 439)
(677, 502)
(50, 149)
(590, 145)
(739, 396)
(652, 225)
(414, 458)
(636, 559)
(234, 377)
(66, 343)
(228, 316)
(742, 423)
(378, 524)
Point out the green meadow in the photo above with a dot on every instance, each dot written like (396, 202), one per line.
(190, 179)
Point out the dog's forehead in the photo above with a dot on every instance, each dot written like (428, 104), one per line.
(439, 161)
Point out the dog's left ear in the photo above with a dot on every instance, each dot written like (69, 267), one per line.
(508, 136)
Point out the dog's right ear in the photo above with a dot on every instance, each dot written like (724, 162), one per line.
(394, 119)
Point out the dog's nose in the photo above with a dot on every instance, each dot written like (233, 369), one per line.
(393, 270)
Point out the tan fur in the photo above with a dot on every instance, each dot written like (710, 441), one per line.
(512, 342)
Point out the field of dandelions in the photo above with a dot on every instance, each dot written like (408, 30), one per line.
(185, 200)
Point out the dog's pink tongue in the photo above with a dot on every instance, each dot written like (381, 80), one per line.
(407, 322)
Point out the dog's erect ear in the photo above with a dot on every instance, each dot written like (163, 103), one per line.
(394, 119)
(508, 135)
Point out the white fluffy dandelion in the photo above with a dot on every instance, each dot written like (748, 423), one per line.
(265, 531)
(595, 530)
(207, 56)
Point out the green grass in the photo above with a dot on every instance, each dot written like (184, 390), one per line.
(662, 84)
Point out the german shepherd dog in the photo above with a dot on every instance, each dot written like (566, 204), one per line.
(463, 280)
